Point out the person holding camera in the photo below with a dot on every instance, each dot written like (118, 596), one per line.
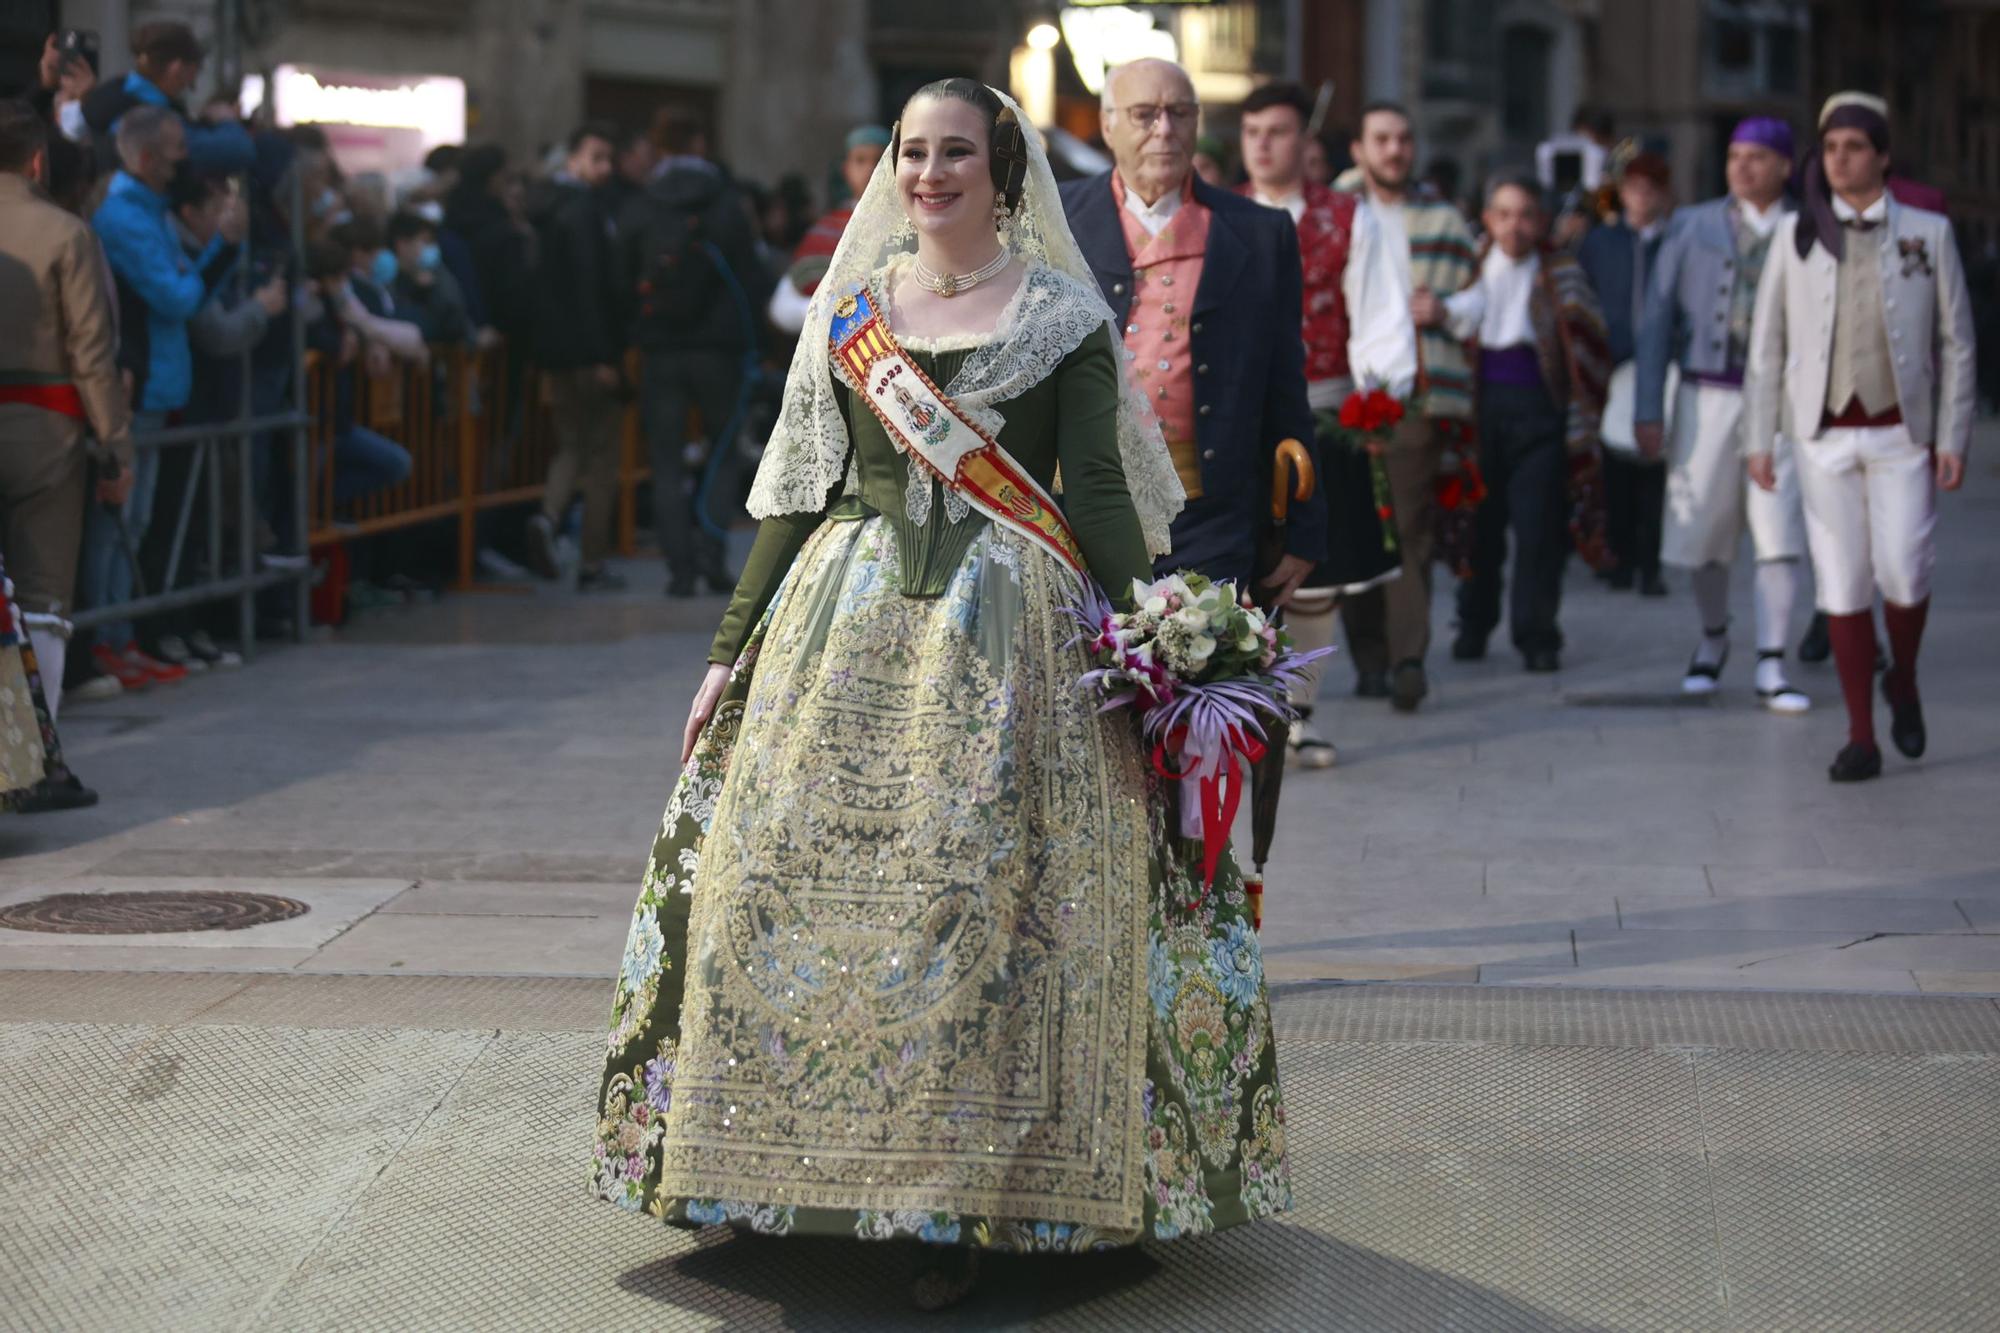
(166, 62)
(160, 288)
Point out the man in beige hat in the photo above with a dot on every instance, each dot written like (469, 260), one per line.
(1861, 350)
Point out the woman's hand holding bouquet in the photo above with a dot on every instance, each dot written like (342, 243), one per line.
(1201, 666)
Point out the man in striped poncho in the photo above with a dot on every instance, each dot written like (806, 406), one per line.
(1427, 248)
(1543, 363)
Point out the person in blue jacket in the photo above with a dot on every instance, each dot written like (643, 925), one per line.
(166, 62)
(160, 287)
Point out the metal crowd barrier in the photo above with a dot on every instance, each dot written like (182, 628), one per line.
(477, 428)
(240, 573)
(474, 420)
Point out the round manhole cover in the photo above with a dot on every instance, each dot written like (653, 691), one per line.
(148, 913)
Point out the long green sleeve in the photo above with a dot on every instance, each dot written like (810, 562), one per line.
(779, 540)
(1095, 498)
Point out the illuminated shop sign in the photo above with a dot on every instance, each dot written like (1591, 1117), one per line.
(1102, 35)
(432, 105)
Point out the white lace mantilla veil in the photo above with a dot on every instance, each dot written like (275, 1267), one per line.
(1057, 308)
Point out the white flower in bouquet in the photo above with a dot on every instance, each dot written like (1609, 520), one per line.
(1176, 643)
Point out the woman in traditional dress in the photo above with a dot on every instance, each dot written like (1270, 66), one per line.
(33, 777)
(920, 954)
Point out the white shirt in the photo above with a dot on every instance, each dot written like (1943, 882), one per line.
(1764, 221)
(1381, 340)
(1495, 308)
(1155, 216)
(1875, 212)
(1395, 239)
(1293, 203)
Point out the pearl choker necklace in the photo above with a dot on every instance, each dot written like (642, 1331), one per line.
(949, 285)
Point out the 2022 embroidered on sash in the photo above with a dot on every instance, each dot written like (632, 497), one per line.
(926, 424)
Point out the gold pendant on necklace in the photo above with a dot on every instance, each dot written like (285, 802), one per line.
(947, 286)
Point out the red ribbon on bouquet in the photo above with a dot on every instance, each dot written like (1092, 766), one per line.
(1219, 789)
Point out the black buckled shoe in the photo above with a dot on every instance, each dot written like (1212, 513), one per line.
(1541, 661)
(1371, 684)
(1856, 763)
(1468, 647)
(1906, 723)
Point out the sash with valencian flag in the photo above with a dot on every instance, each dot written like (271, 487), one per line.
(928, 426)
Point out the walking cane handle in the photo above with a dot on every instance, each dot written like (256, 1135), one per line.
(1292, 479)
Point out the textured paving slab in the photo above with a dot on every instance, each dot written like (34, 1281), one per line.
(317, 1153)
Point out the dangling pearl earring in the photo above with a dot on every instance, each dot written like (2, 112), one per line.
(1003, 217)
(903, 230)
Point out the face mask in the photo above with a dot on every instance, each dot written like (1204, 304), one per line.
(383, 267)
(430, 258)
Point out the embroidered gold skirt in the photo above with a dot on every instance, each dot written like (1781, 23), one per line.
(915, 953)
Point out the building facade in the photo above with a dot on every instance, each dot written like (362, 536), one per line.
(1486, 80)
(1679, 75)
(780, 81)
(1938, 64)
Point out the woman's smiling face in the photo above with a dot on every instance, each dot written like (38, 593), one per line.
(943, 173)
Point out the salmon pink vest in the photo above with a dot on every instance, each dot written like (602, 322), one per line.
(1166, 271)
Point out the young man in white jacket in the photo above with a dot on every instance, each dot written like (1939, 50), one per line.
(1862, 351)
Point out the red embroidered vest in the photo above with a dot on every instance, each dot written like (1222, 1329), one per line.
(1326, 231)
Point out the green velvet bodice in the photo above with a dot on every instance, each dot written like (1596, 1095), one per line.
(1068, 421)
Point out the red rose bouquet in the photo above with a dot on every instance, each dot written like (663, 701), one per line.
(1369, 418)
(1460, 488)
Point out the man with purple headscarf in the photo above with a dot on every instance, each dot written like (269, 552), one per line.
(1697, 315)
(1862, 351)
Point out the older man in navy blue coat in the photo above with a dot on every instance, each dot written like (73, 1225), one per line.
(1206, 287)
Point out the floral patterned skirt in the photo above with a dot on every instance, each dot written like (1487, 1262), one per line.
(28, 746)
(916, 954)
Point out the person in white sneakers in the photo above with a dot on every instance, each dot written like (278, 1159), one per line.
(1862, 351)
(1697, 313)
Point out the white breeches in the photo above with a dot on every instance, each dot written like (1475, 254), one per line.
(1710, 498)
(1871, 506)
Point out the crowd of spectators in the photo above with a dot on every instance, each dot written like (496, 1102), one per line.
(220, 236)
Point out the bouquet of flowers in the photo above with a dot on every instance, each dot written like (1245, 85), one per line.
(1369, 416)
(1200, 665)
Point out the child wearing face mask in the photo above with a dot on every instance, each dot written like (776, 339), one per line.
(355, 339)
(424, 290)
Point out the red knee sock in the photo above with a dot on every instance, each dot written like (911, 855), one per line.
(1854, 657)
(1906, 632)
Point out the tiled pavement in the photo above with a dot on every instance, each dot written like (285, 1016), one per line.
(221, 1151)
